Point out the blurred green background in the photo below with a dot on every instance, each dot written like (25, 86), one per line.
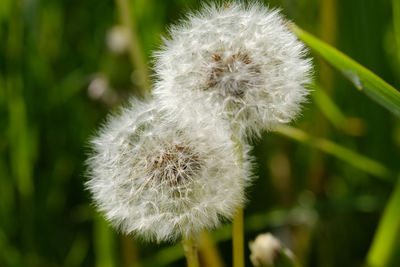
(64, 66)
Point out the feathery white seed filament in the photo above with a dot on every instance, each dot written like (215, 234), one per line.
(159, 180)
(241, 62)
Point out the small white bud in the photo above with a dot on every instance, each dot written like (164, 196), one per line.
(118, 39)
(264, 249)
(97, 87)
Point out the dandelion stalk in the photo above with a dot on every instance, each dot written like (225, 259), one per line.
(238, 239)
(238, 227)
(208, 251)
(190, 248)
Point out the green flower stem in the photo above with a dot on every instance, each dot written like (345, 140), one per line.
(208, 251)
(190, 248)
(238, 239)
(237, 227)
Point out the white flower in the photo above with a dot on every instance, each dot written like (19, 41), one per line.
(241, 62)
(264, 249)
(155, 178)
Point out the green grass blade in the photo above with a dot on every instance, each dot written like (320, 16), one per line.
(104, 243)
(396, 26)
(351, 126)
(78, 251)
(362, 78)
(353, 158)
(329, 108)
(384, 244)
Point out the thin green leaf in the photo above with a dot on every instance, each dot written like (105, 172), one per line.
(384, 246)
(329, 108)
(362, 78)
(78, 251)
(104, 243)
(396, 26)
(351, 126)
(353, 158)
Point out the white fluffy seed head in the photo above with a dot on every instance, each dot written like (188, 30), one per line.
(241, 62)
(153, 177)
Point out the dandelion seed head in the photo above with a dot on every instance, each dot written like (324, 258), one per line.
(241, 62)
(161, 180)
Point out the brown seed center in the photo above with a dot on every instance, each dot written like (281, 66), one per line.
(231, 75)
(175, 166)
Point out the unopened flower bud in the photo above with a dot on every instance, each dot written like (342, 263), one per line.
(118, 39)
(267, 251)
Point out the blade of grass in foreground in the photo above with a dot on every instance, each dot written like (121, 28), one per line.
(362, 78)
(383, 248)
(359, 161)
